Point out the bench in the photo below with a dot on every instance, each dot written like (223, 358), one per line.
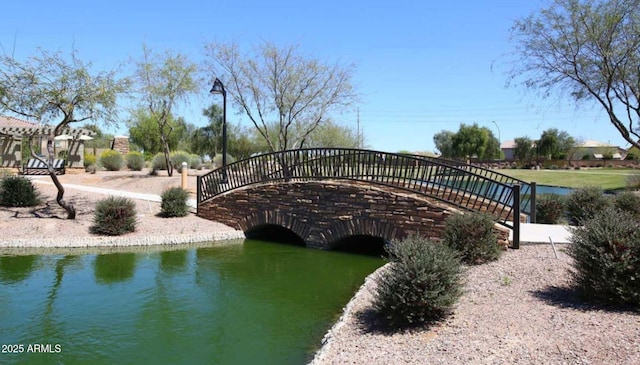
(37, 167)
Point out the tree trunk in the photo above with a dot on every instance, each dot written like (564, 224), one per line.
(68, 207)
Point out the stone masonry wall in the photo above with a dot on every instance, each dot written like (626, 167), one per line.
(323, 212)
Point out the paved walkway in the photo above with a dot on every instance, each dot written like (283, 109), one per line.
(529, 232)
(127, 194)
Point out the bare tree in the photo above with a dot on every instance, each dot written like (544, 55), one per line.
(164, 80)
(279, 85)
(589, 49)
(49, 87)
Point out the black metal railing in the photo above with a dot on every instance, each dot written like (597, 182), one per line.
(466, 186)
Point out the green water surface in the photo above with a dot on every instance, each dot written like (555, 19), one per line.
(251, 303)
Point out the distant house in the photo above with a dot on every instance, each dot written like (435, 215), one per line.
(509, 150)
(69, 145)
(595, 150)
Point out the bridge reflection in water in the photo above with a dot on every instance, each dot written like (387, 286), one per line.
(449, 184)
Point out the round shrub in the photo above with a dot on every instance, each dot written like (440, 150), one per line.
(422, 283)
(135, 161)
(195, 162)
(18, 191)
(606, 254)
(89, 159)
(158, 162)
(585, 203)
(628, 202)
(114, 216)
(111, 160)
(177, 158)
(549, 208)
(217, 160)
(472, 235)
(174, 202)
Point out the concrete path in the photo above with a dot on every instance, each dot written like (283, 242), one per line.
(127, 194)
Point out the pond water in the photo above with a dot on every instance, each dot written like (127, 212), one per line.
(251, 303)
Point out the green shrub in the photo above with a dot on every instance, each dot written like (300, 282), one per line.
(633, 182)
(217, 160)
(421, 285)
(89, 159)
(174, 202)
(158, 162)
(177, 158)
(628, 202)
(135, 161)
(18, 191)
(472, 235)
(195, 162)
(111, 160)
(606, 254)
(114, 216)
(549, 208)
(585, 203)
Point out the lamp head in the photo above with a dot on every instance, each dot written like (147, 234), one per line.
(217, 88)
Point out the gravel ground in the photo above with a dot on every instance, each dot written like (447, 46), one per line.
(46, 226)
(518, 310)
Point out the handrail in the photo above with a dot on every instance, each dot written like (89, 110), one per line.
(466, 186)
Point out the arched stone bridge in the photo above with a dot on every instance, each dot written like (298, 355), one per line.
(324, 195)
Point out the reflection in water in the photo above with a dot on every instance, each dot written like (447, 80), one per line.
(248, 303)
(16, 268)
(173, 261)
(114, 267)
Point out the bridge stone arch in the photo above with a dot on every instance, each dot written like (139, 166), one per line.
(323, 212)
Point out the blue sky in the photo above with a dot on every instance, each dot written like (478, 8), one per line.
(421, 66)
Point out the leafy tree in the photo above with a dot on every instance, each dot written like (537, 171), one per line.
(589, 49)
(472, 140)
(240, 144)
(279, 86)
(333, 135)
(443, 141)
(524, 149)
(144, 131)
(164, 80)
(208, 140)
(51, 88)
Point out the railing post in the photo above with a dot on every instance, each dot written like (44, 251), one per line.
(532, 202)
(516, 217)
(198, 197)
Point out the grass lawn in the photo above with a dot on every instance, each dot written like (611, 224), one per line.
(607, 179)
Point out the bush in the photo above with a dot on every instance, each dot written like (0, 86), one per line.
(174, 202)
(177, 158)
(628, 202)
(195, 162)
(135, 161)
(158, 162)
(633, 182)
(89, 159)
(421, 285)
(114, 216)
(606, 254)
(217, 160)
(472, 235)
(111, 160)
(585, 203)
(549, 208)
(18, 191)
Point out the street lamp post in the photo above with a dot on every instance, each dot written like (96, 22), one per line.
(218, 88)
(499, 139)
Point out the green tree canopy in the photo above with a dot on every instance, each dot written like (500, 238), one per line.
(144, 131)
(524, 149)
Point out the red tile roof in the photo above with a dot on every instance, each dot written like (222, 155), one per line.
(11, 122)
